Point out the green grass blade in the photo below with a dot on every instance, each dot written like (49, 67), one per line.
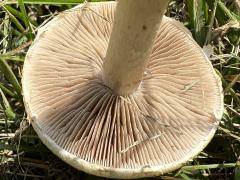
(15, 21)
(185, 177)
(18, 14)
(209, 166)
(7, 91)
(205, 10)
(192, 13)
(226, 11)
(6, 70)
(7, 108)
(12, 58)
(210, 23)
(25, 18)
(13, 11)
(46, 1)
(197, 19)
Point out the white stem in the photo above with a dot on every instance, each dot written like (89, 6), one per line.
(135, 27)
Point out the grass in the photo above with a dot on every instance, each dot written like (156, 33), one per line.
(215, 25)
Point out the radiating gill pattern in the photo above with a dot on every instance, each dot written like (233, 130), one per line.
(172, 111)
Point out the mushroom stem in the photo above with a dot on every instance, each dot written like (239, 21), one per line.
(134, 29)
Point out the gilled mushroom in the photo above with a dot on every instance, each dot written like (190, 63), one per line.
(125, 97)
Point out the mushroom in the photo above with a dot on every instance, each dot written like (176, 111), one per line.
(123, 94)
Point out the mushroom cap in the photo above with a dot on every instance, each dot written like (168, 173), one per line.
(169, 119)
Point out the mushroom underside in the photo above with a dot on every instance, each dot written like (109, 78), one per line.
(176, 107)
